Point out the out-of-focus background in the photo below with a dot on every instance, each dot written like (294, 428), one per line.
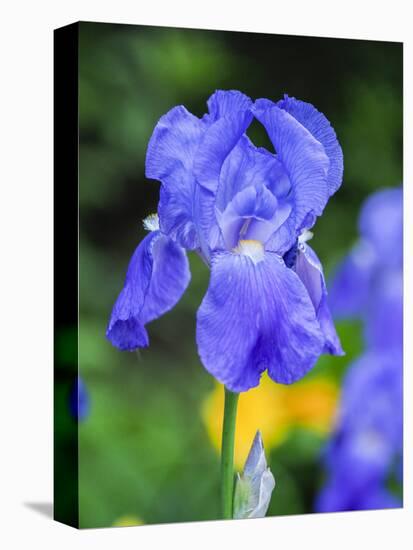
(149, 435)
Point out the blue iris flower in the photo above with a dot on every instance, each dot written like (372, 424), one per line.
(368, 441)
(247, 213)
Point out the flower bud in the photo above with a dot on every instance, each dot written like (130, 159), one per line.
(254, 486)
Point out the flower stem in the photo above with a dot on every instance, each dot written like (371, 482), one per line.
(227, 453)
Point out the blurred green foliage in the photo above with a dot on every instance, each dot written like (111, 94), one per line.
(143, 450)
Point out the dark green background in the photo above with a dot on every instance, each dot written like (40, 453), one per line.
(143, 448)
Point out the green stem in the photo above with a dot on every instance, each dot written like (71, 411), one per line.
(227, 453)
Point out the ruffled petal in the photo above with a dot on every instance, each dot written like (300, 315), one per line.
(318, 125)
(309, 269)
(224, 103)
(184, 152)
(256, 315)
(169, 159)
(157, 276)
(174, 140)
(228, 120)
(302, 156)
(218, 141)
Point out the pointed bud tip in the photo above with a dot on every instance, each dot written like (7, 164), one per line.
(254, 487)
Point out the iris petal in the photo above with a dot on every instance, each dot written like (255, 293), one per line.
(254, 213)
(247, 170)
(247, 166)
(174, 141)
(157, 276)
(256, 315)
(302, 156)
(218, 141)
(184, 152)
(224, 103)
(169, 159)
(228, 120)
(318, 125)
(308, 267)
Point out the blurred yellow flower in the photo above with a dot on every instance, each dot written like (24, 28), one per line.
(127, 521)
(312, 404)
(274, 409)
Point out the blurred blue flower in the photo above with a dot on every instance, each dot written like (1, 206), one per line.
(367, 444)
(337, 496)
(368, 283)
(369, 434)
(79, 401)
(246, 212)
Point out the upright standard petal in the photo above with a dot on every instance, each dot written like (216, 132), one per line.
(247, 166)
(157, 276)
(228, 118)
(219, 140)
(308, 267)
(256, 315)
(255, 174)
(318, 125)
(169, 159)
(185, 152)
(217, 143)
(303, 157)
(224, 103)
